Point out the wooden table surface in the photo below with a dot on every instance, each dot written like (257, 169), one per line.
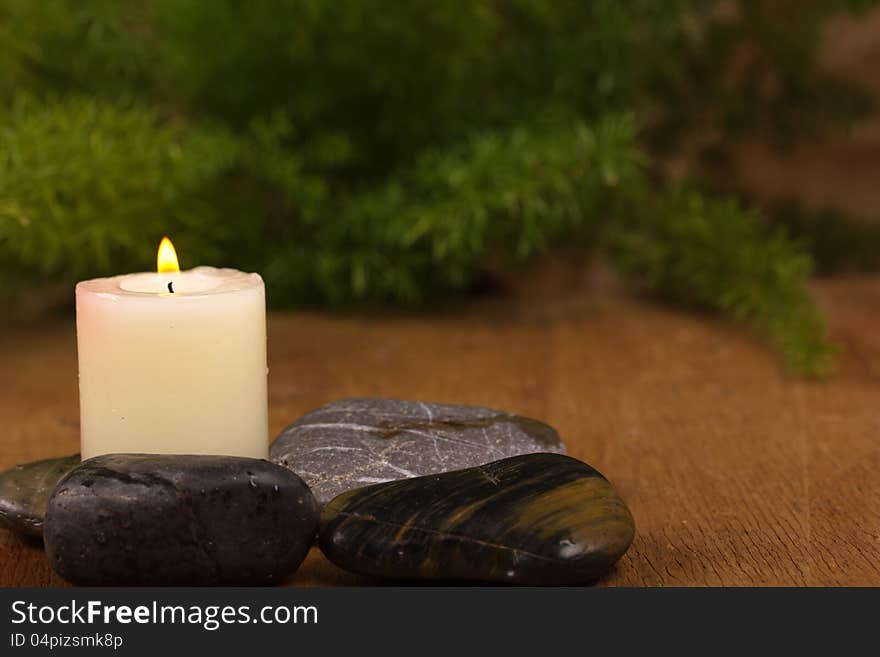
(736, 474)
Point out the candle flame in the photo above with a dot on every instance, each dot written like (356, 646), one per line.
(166, 259)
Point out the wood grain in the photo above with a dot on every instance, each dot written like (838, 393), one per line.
(735, 473)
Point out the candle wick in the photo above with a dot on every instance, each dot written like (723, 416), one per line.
(170, 289)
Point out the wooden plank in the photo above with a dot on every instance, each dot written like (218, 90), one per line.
(735, 473)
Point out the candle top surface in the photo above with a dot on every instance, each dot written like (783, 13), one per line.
(197, 282)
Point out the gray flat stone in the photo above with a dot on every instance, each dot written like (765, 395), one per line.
(358, 442)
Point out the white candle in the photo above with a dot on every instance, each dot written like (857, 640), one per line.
(177, 369)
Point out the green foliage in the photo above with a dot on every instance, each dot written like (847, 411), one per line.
(362, 151)
(718, 255)
(427, 228)
(750, 68)
(83, 182)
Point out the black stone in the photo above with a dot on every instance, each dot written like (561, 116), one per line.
(541, 519)
(355, 442)
(25, 491)
(138, 519)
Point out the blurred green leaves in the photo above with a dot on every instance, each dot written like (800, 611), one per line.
(718, 255)
(366, 151)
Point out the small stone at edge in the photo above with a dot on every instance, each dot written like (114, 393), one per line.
(25, 491)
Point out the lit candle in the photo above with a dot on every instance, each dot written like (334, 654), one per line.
(173, 362)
